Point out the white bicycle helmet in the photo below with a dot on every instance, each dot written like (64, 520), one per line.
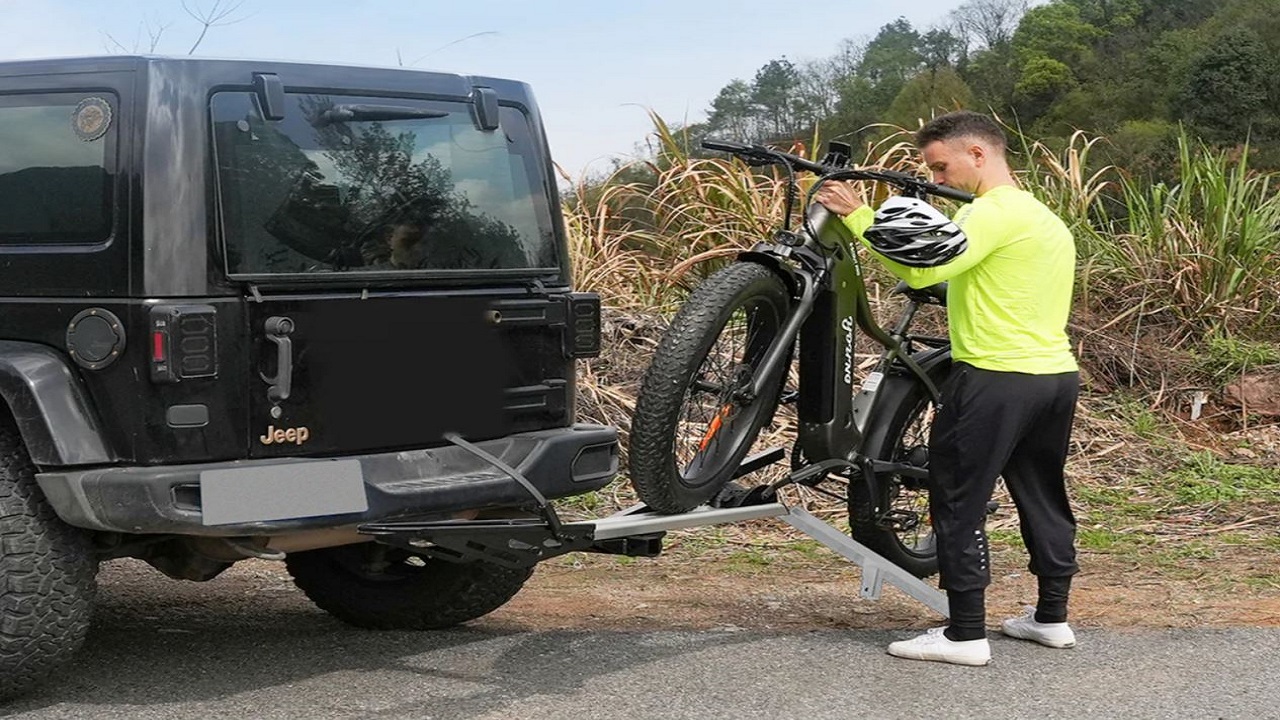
(914, 233)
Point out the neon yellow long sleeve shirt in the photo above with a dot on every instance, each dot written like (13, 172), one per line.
(1009, 292)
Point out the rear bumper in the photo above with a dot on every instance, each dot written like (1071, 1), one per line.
(435, 482)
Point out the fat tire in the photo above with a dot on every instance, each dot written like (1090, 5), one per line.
(882, 442)
(47, 577)
(439, 594)
(679, 355)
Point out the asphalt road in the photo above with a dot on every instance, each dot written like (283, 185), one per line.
(260, 651)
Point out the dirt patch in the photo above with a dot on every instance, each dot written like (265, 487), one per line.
(799, 593)
(776, 587)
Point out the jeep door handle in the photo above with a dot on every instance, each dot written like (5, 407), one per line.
(279, 385)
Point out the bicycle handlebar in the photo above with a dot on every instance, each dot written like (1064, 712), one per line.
(931, 188)
(761, 153)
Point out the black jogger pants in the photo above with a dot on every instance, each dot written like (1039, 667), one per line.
(992, 424)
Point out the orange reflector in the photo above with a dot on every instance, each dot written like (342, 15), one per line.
(714, 427)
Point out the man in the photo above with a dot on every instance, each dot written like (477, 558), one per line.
(1008, 406)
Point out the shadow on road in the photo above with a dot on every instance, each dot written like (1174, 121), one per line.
(172, 643)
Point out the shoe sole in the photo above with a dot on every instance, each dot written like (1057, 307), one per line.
(1058, 644)
(953, 661)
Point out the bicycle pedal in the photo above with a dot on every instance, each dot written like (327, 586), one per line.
(898, 521)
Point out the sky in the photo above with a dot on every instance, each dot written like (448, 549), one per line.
(596, 67)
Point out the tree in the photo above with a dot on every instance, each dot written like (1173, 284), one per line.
(1228, 87)
(1056, 31)
(818, 90)
(849, 114)
(1043, 81)
(217, 15)
(989, 23)
(731, 112)
(930, 91)
(1161, 16)
(848, 57)
(888, 61)
(1108, 15)
(781, 101)
(774, 97)
(939, 49)
(1148, 148)
(892, 57)
(992, 74)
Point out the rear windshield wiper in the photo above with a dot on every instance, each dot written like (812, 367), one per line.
(343, 113)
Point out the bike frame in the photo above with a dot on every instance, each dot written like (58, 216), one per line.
(831, 302)
(821, 265)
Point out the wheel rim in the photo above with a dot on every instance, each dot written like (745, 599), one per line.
(716, 420)
(910, 496)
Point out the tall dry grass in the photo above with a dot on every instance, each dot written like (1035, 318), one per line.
(645, 243)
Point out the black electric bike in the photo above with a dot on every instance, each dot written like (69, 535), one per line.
(720, 373)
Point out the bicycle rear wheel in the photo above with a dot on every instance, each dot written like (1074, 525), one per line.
(694, 420)
(892, 515)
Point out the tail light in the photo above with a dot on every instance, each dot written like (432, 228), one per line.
(184, 342)
(582, 334)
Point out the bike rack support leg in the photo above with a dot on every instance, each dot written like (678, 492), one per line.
(875, 568)
(872, 583)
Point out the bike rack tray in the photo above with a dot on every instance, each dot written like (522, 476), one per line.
(637, 531)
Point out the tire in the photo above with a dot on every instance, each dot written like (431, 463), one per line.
(377, 587)
(691, 428)
(903, 437)
(47, 577)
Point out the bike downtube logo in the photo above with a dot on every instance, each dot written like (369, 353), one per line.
(847, 326)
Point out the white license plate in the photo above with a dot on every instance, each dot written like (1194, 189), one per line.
(282, 492)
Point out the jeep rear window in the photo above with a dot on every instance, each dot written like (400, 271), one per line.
(57, 160)
(347, 184)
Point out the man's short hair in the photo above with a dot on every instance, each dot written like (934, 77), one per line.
(960, 124)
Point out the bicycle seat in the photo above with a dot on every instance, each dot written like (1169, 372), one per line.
(932, 295)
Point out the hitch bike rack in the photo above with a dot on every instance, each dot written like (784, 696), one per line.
(636, 532)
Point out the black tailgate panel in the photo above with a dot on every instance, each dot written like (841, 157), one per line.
(398, 371)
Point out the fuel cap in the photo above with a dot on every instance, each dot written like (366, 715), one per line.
(95, 338)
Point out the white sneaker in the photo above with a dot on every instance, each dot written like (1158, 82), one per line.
(1025, 627)
(933, 645)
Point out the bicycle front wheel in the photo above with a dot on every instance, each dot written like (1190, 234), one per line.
(695, 420)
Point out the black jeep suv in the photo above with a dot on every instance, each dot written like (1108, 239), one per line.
(247, 306)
